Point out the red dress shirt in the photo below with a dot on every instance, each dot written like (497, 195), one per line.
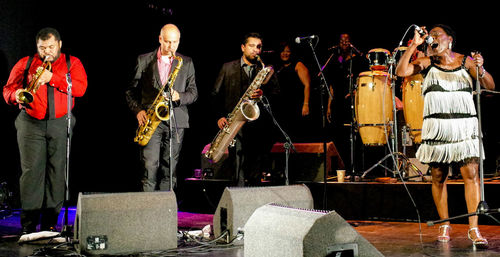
(38, 107)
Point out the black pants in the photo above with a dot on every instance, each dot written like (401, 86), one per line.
(155, 158)
(42, 148)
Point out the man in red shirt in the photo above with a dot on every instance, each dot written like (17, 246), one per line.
(42, 127)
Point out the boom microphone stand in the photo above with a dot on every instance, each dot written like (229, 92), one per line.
(352, 133)
(352, 125)
(324, 88)
(288, 144)
(482, 208)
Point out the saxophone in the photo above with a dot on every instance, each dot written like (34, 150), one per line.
(245, 110)
(159, 109)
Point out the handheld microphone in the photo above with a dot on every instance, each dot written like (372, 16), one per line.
(298, 39)
(420, 31)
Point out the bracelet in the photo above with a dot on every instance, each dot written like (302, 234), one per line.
(484, 72)
(306, 103)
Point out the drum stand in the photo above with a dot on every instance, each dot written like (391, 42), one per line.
(397, 157)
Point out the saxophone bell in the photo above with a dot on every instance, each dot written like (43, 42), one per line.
(162, 110)
(250, 110)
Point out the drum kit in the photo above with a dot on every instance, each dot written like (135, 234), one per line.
(375, 102)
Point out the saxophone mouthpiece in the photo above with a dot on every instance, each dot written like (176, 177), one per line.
(260, 60)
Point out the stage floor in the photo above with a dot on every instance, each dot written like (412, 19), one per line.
(380, 212)
(390, 238)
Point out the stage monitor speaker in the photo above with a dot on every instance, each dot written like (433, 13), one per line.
(119, 223)
(275, 230)
(237, 205)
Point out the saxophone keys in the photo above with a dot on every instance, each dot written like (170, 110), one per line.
(232, 143)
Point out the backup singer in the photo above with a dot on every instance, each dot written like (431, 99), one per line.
(295, 88)
(42, 128)
(254, 140)
(151, 73)
(448, 101)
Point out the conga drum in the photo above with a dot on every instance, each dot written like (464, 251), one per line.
(373, 106)
(413, 106)
(378, 59)
(398, 53)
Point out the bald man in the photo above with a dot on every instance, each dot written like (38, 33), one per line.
(160, 156)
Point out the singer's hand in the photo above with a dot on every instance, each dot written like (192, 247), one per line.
(305, 109)
(478, 59)
(222, 122)
(329, 115)
(418, 38)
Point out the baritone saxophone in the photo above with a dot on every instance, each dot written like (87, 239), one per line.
(245, 110)
(159, 110)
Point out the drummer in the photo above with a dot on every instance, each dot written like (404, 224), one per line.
(339, 72)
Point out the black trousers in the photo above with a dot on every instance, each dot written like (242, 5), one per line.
(155, 158)
(42, 148)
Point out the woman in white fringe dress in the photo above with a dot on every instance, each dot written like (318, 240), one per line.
(450, 128)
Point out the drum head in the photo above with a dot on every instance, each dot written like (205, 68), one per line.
(378, 59)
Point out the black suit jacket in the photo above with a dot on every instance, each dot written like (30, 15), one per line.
(230, 85)
(146, 85)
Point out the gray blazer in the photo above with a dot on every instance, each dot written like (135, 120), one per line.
(146, 85)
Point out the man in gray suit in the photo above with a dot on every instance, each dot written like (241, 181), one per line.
(160, 156)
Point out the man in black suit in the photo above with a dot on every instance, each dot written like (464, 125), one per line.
(255, 139)
(151, 73)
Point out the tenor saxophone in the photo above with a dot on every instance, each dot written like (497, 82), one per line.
(159, 110)
(245, 110)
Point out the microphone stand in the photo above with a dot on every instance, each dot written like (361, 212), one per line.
(351, 94)
(353, 114)
(66, 231)
(288, 144)
(172, 127)
(482, 208)
(324, 88)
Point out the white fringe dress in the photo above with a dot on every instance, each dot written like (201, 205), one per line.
(450, 127)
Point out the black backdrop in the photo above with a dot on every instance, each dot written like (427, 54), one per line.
(108, 35)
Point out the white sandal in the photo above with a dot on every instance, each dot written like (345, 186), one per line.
(444, 233)
(478, 241)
